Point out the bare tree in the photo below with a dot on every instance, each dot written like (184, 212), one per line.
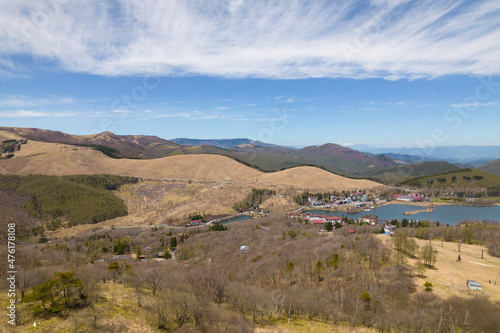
(152, 278)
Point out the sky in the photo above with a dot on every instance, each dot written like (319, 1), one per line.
(386, 73)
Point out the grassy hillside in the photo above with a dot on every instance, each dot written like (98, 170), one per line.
(492, 167)
(401, 173)
(462, 178)
(79, 199)
(265, 157)
(342, 160)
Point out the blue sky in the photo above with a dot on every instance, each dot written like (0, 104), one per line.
(386, 73)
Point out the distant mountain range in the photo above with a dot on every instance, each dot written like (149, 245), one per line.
(222, 143)
(392, 167)
(471, 155)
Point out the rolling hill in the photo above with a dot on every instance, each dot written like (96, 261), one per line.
(118, 146)
(200, 167)
(462, 179)
(401, 173)
(342, 159)
(492, 167)
(263, 156)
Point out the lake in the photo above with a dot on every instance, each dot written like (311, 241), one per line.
(449, 214)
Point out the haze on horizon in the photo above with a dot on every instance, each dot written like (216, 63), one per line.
(387, 73)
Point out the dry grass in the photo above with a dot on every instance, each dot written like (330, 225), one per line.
(315, 178)
(449, 277)
(62, 160)
(279, 204)
(5, 135)
(302, 326)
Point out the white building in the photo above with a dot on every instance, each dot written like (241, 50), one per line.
(473, 285)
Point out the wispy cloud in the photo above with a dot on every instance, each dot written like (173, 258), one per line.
(35, 114)
(23, 101)
(390, 39)
(466, 105)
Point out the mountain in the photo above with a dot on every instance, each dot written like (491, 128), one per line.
(85, 161)
(342, 159)
(492, 167)
(266, 157)
(405, 159)
(460, 179)
(454, 154)
(393, 175)
(222, 143)
(118, 146)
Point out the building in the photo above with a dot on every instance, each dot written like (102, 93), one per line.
(389, 228)
(333, 219)
(411, 197)
(312, 199)
(473, 285)
(125, 257)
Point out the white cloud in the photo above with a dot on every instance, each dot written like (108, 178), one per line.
(290, 100)
(391, 39)
(466, 105)
(23, 101)
(34, 114)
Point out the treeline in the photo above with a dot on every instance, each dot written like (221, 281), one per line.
(253, 200)
(484, 233)
(79, 199)
(302, 198)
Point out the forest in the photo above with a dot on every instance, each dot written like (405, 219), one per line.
(78, 199)
(290, 273)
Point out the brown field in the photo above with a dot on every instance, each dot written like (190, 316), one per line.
(61, 160)
(449, 277)
(4, 135)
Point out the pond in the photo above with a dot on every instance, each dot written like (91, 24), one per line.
(237, 219)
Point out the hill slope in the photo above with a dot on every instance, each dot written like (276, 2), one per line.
(342, 159)
(492, 167)
(462, 178)
(201, 167)
(129, 146)
(404, 172)
(221, 143)
(264, 156)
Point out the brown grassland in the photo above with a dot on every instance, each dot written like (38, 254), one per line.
(56, 159)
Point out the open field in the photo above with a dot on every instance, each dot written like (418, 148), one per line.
(449, 277)
(61, 161)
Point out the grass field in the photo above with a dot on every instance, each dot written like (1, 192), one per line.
(61, 161)
(449, 277)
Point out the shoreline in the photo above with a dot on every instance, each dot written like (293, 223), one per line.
(427, 207)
